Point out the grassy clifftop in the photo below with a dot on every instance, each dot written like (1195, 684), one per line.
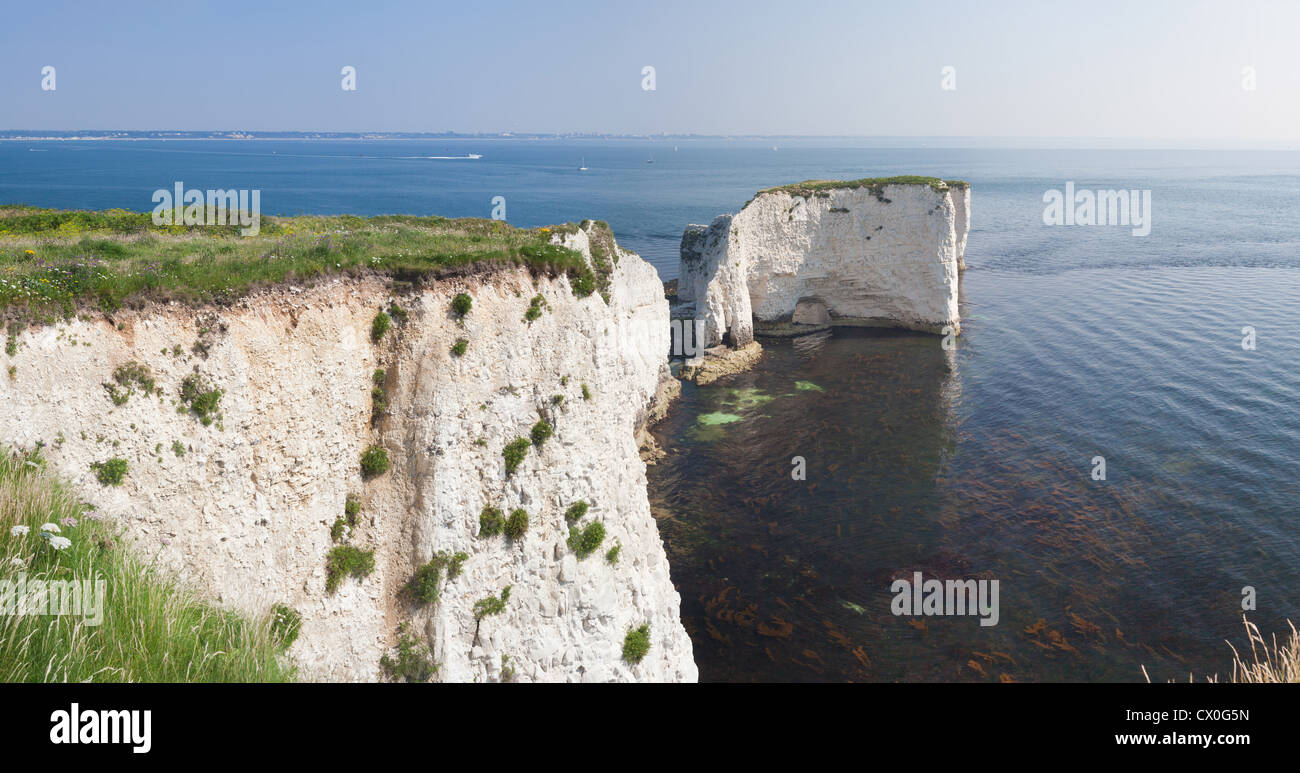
(814, 187)
(53, 262)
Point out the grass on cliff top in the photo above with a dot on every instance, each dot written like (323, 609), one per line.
(153, 629)
(55, 262)
(812, 187)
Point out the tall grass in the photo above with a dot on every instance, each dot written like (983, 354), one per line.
(153, 628)
(1276, 662)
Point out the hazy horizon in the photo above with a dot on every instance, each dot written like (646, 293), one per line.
(1161, 71)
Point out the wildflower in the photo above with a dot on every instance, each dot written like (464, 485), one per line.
(16, 561)
(59, 543)
(69, 522)
(51, 528)
(19, 531)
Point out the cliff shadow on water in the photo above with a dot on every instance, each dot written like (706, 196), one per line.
(785, 579)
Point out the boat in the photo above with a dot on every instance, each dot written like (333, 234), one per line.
(650, 160)
(583, 168)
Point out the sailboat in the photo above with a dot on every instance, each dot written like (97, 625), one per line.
(583, 168)
(650, 160)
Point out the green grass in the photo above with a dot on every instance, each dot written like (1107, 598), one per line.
(56, 262)
(515, 453)
(154, 629)
(875, 184)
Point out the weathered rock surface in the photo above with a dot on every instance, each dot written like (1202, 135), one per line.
(884, 255)
(244, 515)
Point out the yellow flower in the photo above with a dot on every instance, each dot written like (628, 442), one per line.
(29, 252)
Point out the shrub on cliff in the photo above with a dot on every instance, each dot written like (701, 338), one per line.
(541, 432)
(424, 585)
(516, 524)
(461, 304)
(347, 560)
(379, 326)
(202, 399)
(151, 627)
(490, 522)
(584, 542)
(460, 347)
(515, 453)
(374, 461)
(575, 511)
(491, 605)
(413, 663)
(110, 472)
(636, 644)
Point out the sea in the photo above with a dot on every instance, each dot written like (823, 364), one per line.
(1171, 358)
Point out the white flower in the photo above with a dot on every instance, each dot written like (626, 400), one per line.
(59, 543)
(50, 527)
(16, 561)
(19, 531)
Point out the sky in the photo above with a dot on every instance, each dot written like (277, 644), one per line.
(1154, 69)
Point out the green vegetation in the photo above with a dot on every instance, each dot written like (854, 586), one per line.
(352, 508)
(423, 587)
(586, 393)
(201, 397)
(491, 605)
(583, 542)
(636, 644)
(379, 326)
(378, 403)
(507, 670)
(178, 448)
(286, 623)
(461, 304)
(66, 260)
(459, 347)
(152, 628)
(515, 453)
(516, 524)
(611, 555)
(338, 528)
(414, 663)
(575, 511)
(535, 308)
(876, 185)
(490, 522)
(111, 472)
(374, 461)
(126, 379)
(347, 560)
(398, 313)
(378, 376)
(541, 431)
(11, 334)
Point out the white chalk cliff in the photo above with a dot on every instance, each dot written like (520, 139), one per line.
(245, 513)
(865, 252)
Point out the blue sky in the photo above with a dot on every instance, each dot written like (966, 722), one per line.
(1139, 68)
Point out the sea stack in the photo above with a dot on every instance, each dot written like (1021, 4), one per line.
(880, 252)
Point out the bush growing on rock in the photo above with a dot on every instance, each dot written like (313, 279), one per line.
(458, 349)
(374, 461)
(516, 524)
(491, 605)
(515, 453)
(110, 472)
(424, 585)
(461, 304)
(636, 644)
(575, 511)
(584, 542)
(347, 560)
(490, 522)
(379, 326)
(611, 556)
(541, 431)
(413, 663)
(201, 397)
(352, 508)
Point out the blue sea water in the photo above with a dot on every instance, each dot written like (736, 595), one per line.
(1077, 342)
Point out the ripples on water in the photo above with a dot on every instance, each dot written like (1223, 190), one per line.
(976, 464)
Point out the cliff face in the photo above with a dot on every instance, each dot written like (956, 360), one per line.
(245, 513)
(886, 254)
